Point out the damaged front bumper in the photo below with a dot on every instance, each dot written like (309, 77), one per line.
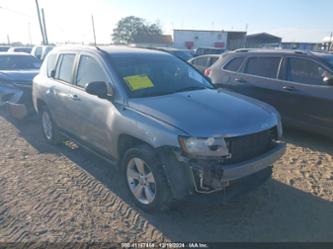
(188, 176)
(215, 177)
(17, 101)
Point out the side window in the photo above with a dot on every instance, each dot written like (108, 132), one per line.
(202, 61)
(234, 64)
(263, 66)
(88, 71)
(65, 68)
(305, 71)
(213, 60)
(51, 64)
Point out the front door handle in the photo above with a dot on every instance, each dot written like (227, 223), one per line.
(75, 97)
(289, 88)
(240, 80)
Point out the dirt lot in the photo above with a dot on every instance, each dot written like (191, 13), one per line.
(64, 193)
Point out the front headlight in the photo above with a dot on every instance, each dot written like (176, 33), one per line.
(214, 147)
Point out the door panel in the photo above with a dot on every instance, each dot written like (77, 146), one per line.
(58, 89)
(310, 98)
(267, 90)
(89, 115)
(58, 100)
(258, 79)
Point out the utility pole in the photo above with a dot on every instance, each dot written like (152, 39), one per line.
(44, 26)
(93, 27)
(29, 33)
(245, 37)
(40, 22)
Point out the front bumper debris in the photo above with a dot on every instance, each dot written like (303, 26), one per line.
(211, 177)
(188, 176)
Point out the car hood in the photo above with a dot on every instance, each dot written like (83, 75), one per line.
(18, 77)
(205, 113)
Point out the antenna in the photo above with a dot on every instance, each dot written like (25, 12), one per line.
(44, 27)
(93, 27)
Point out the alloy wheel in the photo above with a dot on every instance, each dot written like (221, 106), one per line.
(141, 181)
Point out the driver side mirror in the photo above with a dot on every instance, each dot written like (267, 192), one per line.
(328, 80)
(98, 88)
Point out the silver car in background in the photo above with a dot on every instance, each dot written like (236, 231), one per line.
(16, 73)
(171, 133)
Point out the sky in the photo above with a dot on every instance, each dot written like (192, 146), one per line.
(70, 20)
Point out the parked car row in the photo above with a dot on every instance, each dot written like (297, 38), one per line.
(203, 62)
(16, 73)
(168, 129)
(190, 54)
(39, 52)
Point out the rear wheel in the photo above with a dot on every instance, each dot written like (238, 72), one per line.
(49, 128)
(145, 179)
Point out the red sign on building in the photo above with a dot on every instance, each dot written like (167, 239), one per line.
(189, 44)
(219, 45)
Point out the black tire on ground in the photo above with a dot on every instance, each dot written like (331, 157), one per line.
(54, 137)
(163, 198)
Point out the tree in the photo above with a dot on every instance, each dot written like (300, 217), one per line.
(128, 28)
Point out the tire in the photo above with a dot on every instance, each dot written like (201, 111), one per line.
(49, 128)
(162, 199)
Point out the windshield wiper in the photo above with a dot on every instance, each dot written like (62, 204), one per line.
(192, 88)
(159, 93)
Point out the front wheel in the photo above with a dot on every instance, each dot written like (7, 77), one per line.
(49, 128)
(145, 179)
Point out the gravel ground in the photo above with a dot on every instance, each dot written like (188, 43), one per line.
(66, 194)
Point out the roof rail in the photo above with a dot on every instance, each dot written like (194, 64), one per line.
(241, 50)
(101, 50)
(300, 52)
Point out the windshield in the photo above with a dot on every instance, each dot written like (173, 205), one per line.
(153, 75)
(18, 62)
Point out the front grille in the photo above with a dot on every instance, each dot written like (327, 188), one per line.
(250, 146)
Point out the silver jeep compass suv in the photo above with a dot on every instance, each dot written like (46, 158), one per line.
(171, 132)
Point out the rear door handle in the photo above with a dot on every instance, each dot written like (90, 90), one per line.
(75, 97)
(289, 88)
(240, 80)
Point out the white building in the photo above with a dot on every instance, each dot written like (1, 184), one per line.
(328, 43)
(191, 39)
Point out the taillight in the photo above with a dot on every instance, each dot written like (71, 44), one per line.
(207, 72)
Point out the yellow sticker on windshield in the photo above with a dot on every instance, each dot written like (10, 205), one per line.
(138, 82)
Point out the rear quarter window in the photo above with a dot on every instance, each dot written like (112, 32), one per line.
(64, 70)
(51, 63)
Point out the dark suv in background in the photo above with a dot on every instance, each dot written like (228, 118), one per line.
(299, 84)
